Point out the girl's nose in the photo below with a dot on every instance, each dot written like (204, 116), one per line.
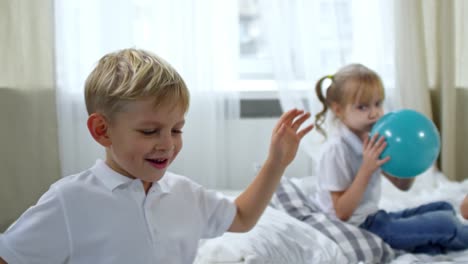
(375, 112)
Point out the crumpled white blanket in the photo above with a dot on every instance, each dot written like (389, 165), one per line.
(277, 238)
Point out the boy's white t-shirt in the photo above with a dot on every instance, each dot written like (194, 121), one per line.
(100, 216)
(339, 162)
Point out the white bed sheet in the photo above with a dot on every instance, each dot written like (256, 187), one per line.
(277, 238)
(249, 248)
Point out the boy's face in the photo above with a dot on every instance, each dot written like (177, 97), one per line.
(145, 140)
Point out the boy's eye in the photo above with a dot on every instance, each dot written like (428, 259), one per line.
(148, 131)
(378, 104)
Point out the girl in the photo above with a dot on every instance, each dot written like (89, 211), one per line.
(349, 178)
(464, 207)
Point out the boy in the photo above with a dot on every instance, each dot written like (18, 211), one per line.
(128, 209)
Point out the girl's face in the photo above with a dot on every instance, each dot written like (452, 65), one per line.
(145, 140)
(359, 117)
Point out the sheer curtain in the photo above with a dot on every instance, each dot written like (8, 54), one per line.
(314, 38)
(198, 37)
(416, 46)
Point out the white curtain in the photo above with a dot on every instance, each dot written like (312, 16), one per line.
(418, 47)
(198, 37)
(313, 38)
(411, 63)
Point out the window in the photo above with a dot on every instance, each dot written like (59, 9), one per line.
(335, 33)
(339, 29)
(255, 59)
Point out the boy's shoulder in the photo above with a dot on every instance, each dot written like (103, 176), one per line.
(76, 182)
(176, 182)
(86, 181)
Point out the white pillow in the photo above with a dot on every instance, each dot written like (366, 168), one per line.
(277, 238)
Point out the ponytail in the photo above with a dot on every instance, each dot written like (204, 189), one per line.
(320, 117)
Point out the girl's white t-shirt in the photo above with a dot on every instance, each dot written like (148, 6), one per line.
(339, 162)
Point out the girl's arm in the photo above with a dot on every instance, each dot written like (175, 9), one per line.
(346, 202)
(283, 147)
(403, 184)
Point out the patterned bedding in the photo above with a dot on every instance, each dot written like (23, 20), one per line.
(293, 231)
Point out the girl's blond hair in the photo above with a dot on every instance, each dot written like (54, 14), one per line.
(351, 83)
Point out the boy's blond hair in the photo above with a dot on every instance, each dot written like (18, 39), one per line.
(131, 74)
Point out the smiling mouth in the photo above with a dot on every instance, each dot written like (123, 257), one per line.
(158, 163)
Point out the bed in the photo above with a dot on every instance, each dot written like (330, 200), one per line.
(292, 231)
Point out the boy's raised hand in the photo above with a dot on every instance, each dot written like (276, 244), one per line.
(286, 137)
(284, 144)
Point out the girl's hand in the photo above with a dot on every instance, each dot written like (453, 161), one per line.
(286, 138)
(372, 149)
(464, 207)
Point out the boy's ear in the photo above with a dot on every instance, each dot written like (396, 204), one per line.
(98, 127)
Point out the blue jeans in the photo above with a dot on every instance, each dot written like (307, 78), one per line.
(431, 228)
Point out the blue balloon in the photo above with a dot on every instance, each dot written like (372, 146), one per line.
(413, 142)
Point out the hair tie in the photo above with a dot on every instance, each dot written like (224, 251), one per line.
(330, 77)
